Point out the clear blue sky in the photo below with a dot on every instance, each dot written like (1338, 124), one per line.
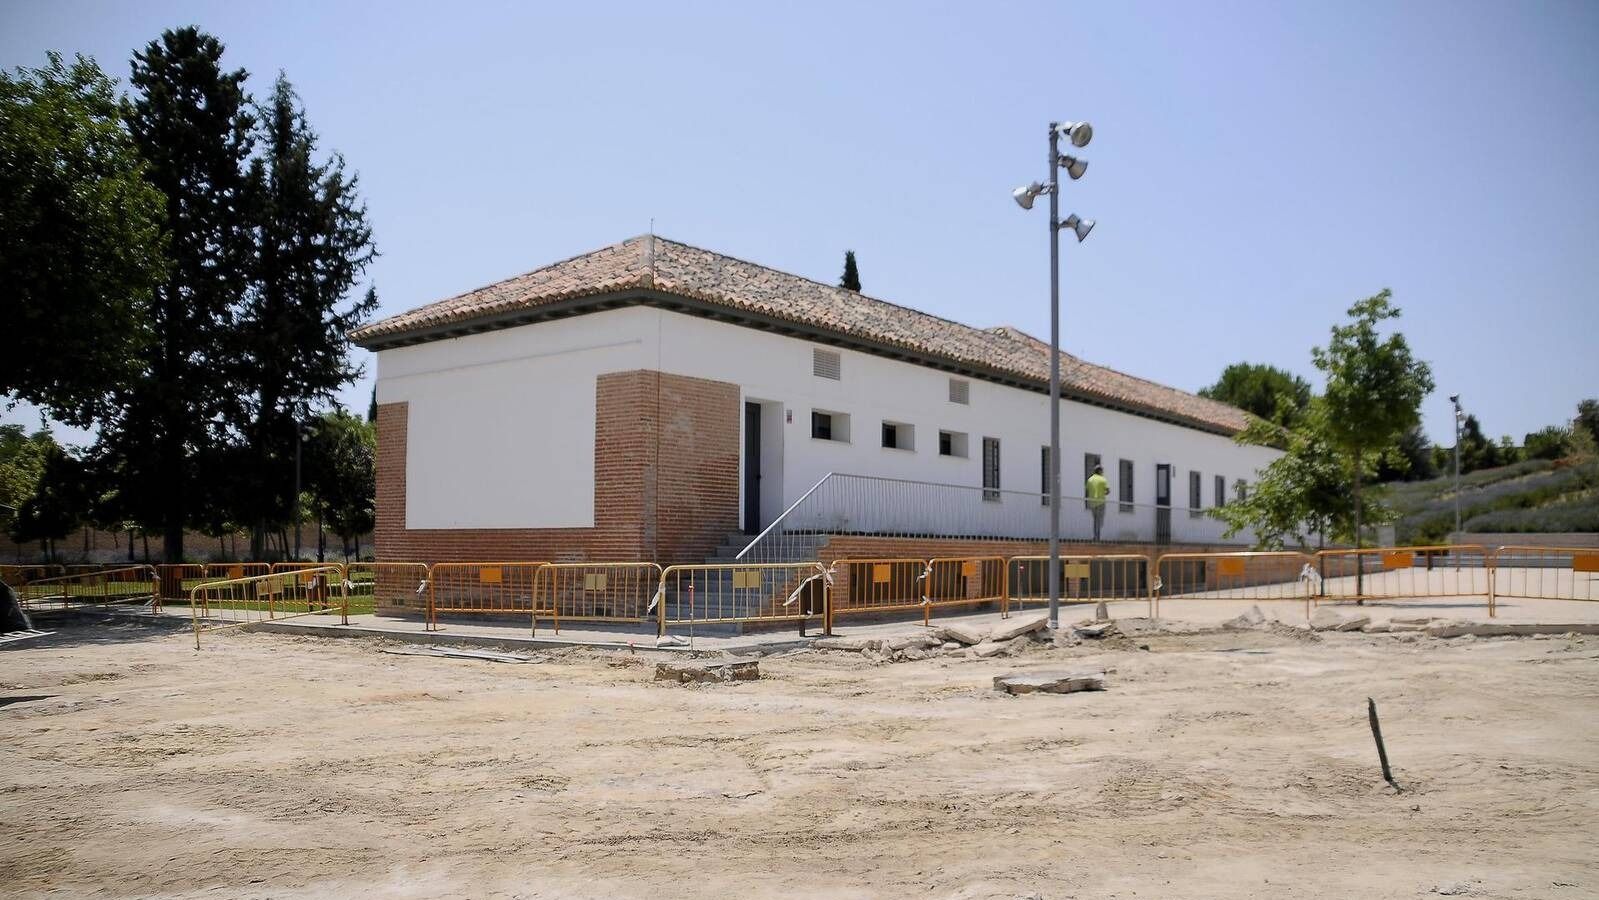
(1256, 166)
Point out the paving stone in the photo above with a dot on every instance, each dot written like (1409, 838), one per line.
(704, 671)
(964, 633)
(1050, 682)
(1005, 631)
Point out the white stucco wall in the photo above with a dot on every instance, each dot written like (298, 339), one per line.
(502, 423)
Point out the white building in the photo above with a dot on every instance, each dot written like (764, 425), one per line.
(650, 400)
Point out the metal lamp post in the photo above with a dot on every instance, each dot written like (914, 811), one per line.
(1455, 399)
(1079, 133)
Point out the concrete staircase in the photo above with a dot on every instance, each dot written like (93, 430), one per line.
(795, 548)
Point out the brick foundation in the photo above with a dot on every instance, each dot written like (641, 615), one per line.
(665, 481)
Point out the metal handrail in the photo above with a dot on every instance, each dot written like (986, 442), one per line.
(780, 519)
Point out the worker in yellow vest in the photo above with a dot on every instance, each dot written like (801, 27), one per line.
(1096, 490)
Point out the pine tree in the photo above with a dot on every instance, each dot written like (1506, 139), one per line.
(312, 244)
(851, 279)
(191, 123)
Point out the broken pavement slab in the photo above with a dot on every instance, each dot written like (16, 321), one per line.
(964, 633)
(1050, 682)
(707, 671)
(1249, 618)
(1006, 631)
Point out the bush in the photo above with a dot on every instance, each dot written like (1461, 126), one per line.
(1580, 514)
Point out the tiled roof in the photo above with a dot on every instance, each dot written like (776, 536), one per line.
(668, 267)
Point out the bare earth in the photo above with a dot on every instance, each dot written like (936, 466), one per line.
(1217, 765)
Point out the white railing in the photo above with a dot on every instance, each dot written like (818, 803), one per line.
(896, 507)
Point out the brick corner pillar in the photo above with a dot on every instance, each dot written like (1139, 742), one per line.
(696, 475)
(388, 535)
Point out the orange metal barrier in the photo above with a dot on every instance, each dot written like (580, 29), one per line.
(594, 592)
(489, 588)
(234, 570)
(1260, 575)
(1546, 573)
(1083, 578)
(875, 585)
(964, 581)
(743, 594)
(1404, 573)
(17, 576)
(99, 588)
(176, 578)
(281, 595)
(393, 586)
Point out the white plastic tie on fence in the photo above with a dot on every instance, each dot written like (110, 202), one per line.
(795, 595)
(421, 586)
(659, 592)
(1309, 574)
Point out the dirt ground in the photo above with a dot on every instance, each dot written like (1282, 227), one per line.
(1216, 765)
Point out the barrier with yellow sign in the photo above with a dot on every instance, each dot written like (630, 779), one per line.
(1405, 573)
(1255, 576)
(740, 594)
(1083, 578)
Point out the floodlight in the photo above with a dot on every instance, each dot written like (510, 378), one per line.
(1080, 226)
(1026, 195)
(1079, 133)
(1074, 167)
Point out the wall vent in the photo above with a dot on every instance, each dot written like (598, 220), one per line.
(826, 364)
(960, 391)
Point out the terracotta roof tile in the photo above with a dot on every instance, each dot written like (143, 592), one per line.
(719, 280)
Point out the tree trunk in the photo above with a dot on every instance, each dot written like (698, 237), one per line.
(321, 537)
(131, 557)
(172, 541)
(145, 535)
(1360, 564)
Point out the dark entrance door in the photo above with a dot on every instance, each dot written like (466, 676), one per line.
(752, 468)
(1162, 503)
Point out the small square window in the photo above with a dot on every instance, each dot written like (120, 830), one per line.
(952, 443)
(899, 436)
(827, 425)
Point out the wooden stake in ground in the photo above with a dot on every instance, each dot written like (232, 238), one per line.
(1382, 752)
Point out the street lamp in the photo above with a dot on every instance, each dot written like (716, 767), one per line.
(1455, 399)
(1079, 134)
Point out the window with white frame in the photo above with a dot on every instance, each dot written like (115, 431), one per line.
(952, 443)
(827, 425)
(990, 468)
(899, 436)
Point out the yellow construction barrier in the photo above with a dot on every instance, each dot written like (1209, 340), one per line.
(233, 602)
(387, 585)
(485, 588)
(740, 594)
(102, 587)
(1254, 576)
(1406, 573)
(594, 592)
(1083, 578)
(873, 585)
(1546, 573)
(965, 581)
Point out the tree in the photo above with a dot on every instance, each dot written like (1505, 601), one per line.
(1411, 459)
(1300, 493)
(341, 462)
(22, 458)
(1476, 451)
(80, 239)
(851, 279)
(372, 408)
(1550, 442)
(1588, 418)
(1273, 394)
(312, 243)
(1374, 392)
(60, 503)
(190, 121)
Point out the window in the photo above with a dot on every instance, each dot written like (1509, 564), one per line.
(899, 436)
(1221, 490)
(826, 364)
(990, 468)
(960, 391)
(1124, 487)
(1195, 499)
(952, 443)
(829, 426)
(1043, 474)
(1090, 463)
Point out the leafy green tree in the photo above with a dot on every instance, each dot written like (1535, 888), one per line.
(851, 279)
(341, 462)
(1301, 493)
(1550, 442)
(312, 243)
(1476, 450)
(60, 503)
(80, 239)
(1411, 459)
(190, 120)
(22, 458)
(1273, 394)
(1374, 391)
(1588, 418)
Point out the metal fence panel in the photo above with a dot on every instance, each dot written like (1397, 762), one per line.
(1255, 575)
(1546, 573)
(745, 594)
(482, 588)
(1084, 578)
(595, 592)
(102, 587)
(280, 595)
(1406, 573)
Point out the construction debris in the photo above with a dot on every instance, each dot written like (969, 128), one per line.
(1050, 682)
(1249, 618)
(707, 671)
(1007, 631)
(27, 634)
(460, 653)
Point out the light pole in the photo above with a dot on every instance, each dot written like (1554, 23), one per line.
(1079, 133)
(1455, 399)
(299, 438)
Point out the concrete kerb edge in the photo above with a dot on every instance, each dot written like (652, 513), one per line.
(446, 639)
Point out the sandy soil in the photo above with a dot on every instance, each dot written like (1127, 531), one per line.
(1217, 765)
